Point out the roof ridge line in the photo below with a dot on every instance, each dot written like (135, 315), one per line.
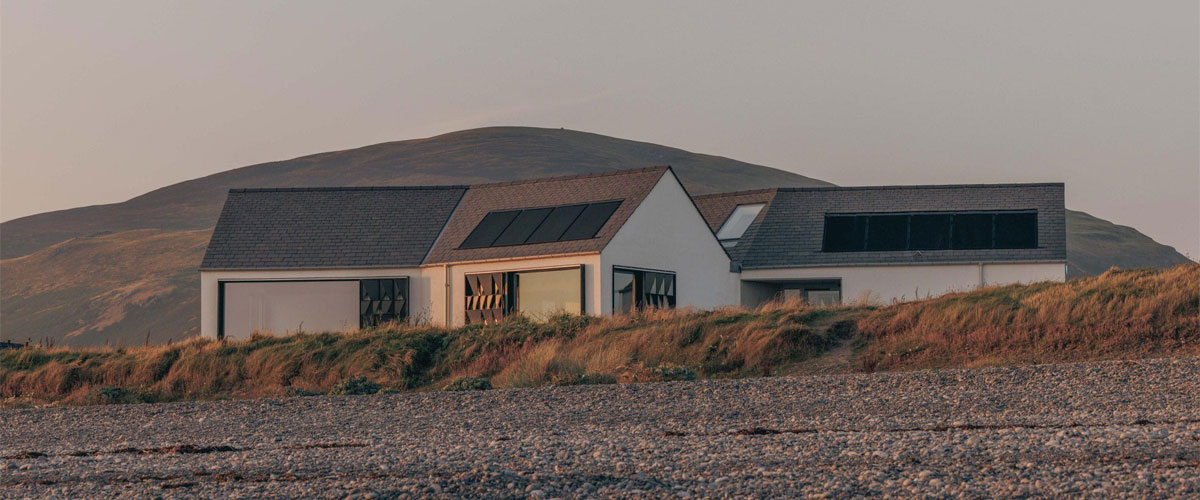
(737, 193)
(925, 186)
(346, 188)
(628, 171)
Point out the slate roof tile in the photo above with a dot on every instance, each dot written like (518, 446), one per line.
(788, 232)
(307, 228)
(631, 186)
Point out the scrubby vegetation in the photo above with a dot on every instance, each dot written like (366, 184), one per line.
(1117, 314)
(566, 350)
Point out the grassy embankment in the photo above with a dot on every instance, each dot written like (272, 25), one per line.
(1120, 314)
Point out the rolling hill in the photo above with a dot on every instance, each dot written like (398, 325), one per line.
(466, 157)
(125, 273)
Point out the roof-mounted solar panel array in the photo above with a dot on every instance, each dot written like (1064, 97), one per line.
(540, 225)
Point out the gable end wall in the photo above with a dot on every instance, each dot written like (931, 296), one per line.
(667, 233)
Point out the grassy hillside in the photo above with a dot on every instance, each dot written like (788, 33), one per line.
(1119, 314)
(138, 289)
(122, 289)
(1094, 245)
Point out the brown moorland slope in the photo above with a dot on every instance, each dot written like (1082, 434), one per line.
(1117, 315)
(121, 289)
(79, 311)
(1094, 245)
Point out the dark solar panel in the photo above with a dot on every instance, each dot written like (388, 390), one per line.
(521, 227)
(972, 231)
(844, 233)
(489, 228)
(556, 224)
(1016, 230)
(590, 221)
(929, 232)
(887, 232)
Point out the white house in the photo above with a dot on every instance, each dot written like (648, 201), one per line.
(318, 259)
(889, 243)
(339, 258)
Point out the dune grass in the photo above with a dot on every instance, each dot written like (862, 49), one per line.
(1118, 314)
(651, 345)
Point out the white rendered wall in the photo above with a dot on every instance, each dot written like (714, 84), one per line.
(1007, 274)
(887, 284)
(420, 308)
(667, 233)
(458, 281)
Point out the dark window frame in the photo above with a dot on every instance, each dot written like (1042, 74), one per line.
(827, 238)
(510, 289)
(405, 294)
(638, 283)
(221, 293)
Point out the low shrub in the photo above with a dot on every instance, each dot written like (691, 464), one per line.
(354, 386)
(110, 395)
(597, 379)
(469, 384)
(673, 372)
(118, 395)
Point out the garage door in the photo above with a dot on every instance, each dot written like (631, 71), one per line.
(289, 306)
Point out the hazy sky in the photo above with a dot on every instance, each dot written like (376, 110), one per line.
(101, 101)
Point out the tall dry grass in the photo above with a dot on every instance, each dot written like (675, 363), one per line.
(1136, 313)
(1117, 314)
(513, 353)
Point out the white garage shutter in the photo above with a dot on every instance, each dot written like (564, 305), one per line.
(285, 307)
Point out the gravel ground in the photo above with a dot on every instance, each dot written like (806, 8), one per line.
(1110, 429)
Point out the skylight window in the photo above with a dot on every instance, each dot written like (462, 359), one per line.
(737, 223)
(540, 225)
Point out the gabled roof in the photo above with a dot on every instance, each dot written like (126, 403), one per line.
(629, 186)
(788, 231)
(313, 228)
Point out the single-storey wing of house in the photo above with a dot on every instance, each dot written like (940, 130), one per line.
(318, 259)
(889, 243)
(323, 259)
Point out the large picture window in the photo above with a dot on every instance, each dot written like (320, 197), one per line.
(636, 289)
(537, 294)
(930, 231)
(289, 306)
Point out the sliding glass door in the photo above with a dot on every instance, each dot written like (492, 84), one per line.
(537, 294)
(542, 294)
(639, 288)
